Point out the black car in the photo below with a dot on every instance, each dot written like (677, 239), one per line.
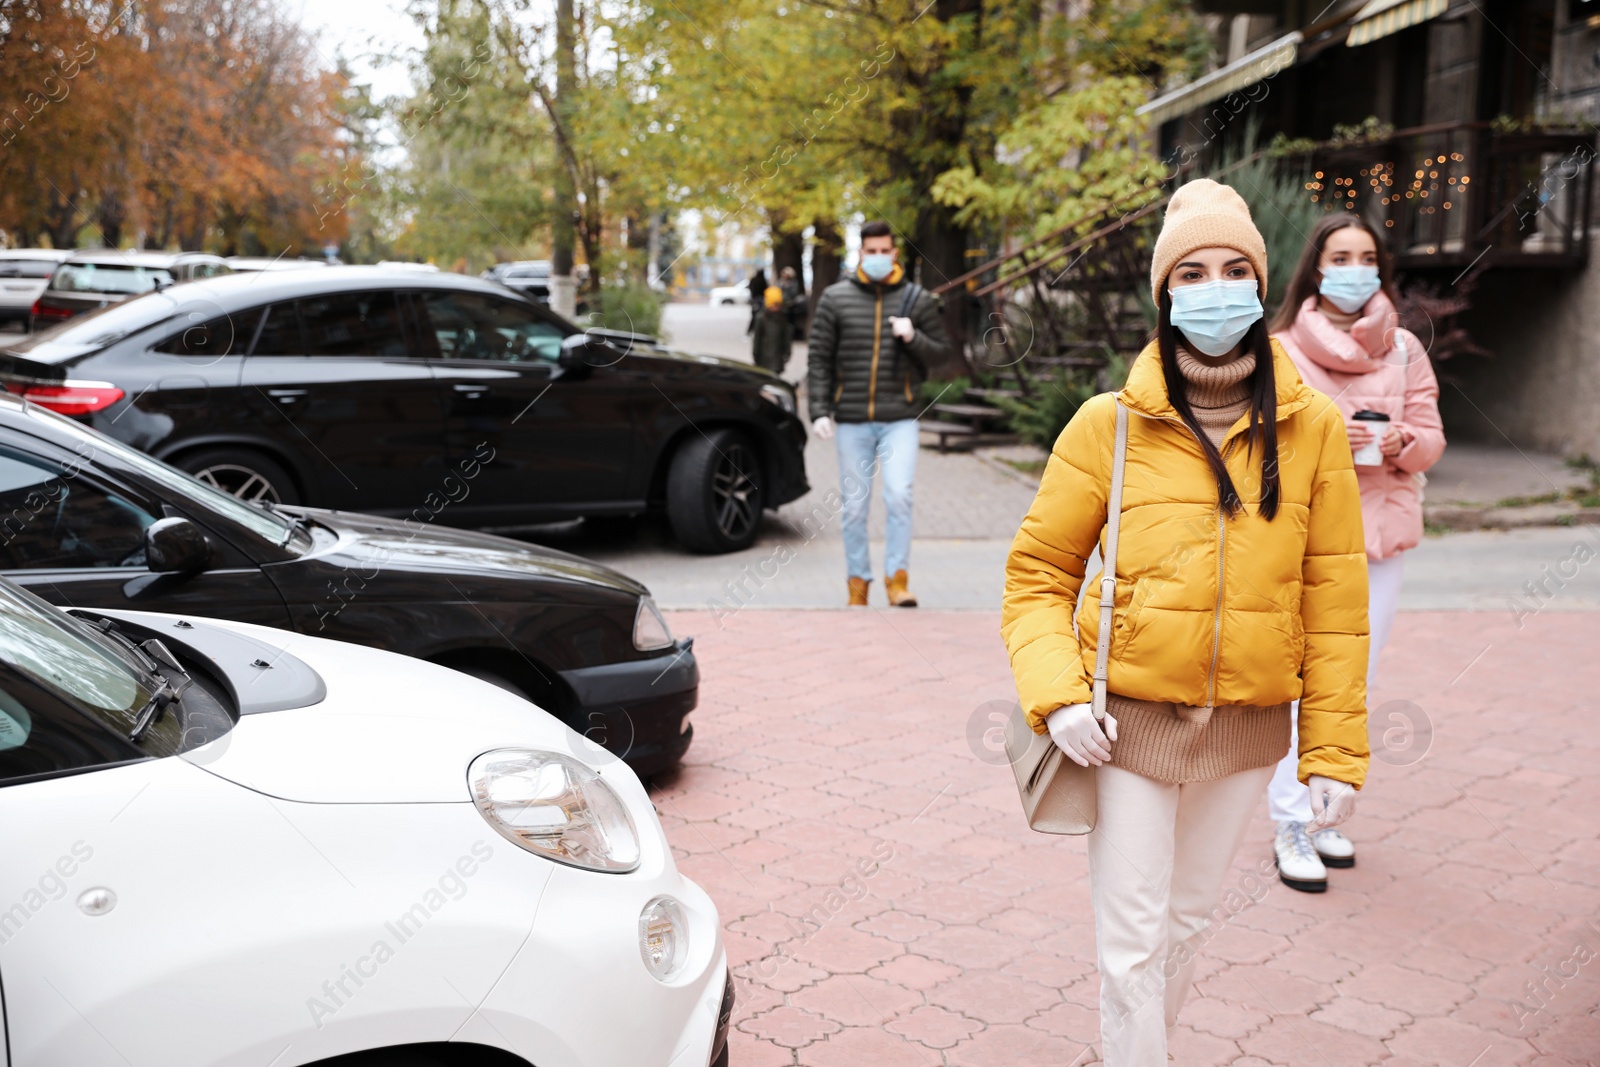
(375, 390)
(87, 521)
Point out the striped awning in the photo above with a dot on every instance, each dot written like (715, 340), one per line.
(1380, 18)
(1259, 65)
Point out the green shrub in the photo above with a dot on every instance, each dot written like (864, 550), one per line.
(630, 306)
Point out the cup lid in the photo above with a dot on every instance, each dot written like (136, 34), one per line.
(1370, 416)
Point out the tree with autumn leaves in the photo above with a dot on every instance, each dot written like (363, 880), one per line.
(195, 124)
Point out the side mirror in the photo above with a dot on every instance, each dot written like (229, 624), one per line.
(176, 546)
(582, 352)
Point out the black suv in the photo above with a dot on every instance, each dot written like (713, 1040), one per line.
(435, 396)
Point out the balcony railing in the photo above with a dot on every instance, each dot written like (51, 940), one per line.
(1467, 194)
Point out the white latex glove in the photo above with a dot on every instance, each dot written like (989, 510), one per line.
(823, 428)
(902, 328)
(1331, 802)
(1075, 732)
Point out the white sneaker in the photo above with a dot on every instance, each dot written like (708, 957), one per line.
(1335, 849)
(1299, 867)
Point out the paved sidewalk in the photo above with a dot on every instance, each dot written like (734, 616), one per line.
(884, 904)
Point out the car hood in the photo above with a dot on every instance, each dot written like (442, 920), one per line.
(388, 729)
(411, 545)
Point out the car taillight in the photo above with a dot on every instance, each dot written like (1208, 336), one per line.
(40, 311)
(69, 398)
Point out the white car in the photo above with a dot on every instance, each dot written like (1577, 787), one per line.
(223, 844)
(731, 294)
(24, 272)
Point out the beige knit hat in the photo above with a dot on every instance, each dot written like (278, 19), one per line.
(1205, 214)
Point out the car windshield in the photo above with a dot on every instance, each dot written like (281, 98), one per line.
(70, 658)
(26, 268)
(278, 529)
(126, 278)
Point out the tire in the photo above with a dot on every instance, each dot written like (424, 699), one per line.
(714, 495)
(249, 475)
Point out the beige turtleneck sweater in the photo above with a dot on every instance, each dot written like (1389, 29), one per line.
(1176, 742)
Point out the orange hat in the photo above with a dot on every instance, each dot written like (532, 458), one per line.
(773, 298)
(1206, 214)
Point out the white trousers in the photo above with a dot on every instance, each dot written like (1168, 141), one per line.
(1157, 859)
(1287, 799)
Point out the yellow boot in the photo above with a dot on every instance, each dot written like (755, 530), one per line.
(858, 592)
(899, 595)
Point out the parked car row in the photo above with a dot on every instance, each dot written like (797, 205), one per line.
(235, 823)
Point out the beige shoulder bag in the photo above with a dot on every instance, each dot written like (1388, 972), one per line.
(1058, 795)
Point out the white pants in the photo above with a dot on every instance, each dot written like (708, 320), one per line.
(1157, 858)
(1288, 800)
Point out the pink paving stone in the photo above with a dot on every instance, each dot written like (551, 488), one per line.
(994, 997)
(842, 949)
(1297, 1040)
(900, 926)
(1446, 1043)
(1221, 1018)
(858, 1046)
(749, 1051)
(1007, 1044)
(1410, 991)
(1575, 1037)
(790, 1027)
(915, 972)
(1364, 1017)
(1191, 1047)
(1073, 1022)
(856, 999)
(935, 1027)
(1053, 971)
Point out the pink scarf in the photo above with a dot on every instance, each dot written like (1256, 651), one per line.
(1363, 350)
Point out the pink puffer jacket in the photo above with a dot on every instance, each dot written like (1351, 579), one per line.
(1380, 367)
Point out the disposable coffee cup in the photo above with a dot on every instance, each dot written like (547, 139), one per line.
(1371, 453)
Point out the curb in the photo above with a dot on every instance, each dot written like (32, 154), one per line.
(1463, 518)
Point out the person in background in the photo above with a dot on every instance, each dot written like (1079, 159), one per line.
(875, 336)
(1239, 586)
(794, 302)
(1339, 326)
(758, 292)
(773, 336)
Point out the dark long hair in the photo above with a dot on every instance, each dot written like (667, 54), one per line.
(1263, 431)
(1304, 281)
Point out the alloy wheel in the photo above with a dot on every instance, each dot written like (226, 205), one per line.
(242, 482)
(734, 492)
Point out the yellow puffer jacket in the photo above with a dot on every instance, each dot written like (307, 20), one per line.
(1209, 610)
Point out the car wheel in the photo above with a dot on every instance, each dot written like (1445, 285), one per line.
(250, 476)
(714, 496)
(727, 303)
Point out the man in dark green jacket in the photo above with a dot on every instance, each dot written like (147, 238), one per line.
(874, 338)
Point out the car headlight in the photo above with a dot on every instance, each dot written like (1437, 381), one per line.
(555, 807)
(781, 395)
(663, 937)
(650, 629)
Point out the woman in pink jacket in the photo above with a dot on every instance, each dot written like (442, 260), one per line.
(1339, 325)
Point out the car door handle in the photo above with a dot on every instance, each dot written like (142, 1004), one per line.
(470, 391)
(286, 396)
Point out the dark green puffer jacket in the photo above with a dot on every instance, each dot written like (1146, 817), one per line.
(857, 371)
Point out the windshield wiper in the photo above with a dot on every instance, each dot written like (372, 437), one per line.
(159, 665)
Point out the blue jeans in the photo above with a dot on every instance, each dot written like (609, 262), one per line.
(864, 449)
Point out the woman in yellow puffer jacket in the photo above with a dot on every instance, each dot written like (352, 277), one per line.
(1240, 587)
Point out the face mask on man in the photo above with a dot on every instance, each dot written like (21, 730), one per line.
(877, 265)
(1214, 316)
(1349, 288)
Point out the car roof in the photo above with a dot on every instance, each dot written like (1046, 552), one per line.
(271, 263)
(35, 253)
(238, 291)
(128, 257)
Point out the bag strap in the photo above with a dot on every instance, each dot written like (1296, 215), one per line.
(907, 302)
(1108, 576)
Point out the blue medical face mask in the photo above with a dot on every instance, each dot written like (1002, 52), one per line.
(877, 265)
(1214, 316)
(1349, 288)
